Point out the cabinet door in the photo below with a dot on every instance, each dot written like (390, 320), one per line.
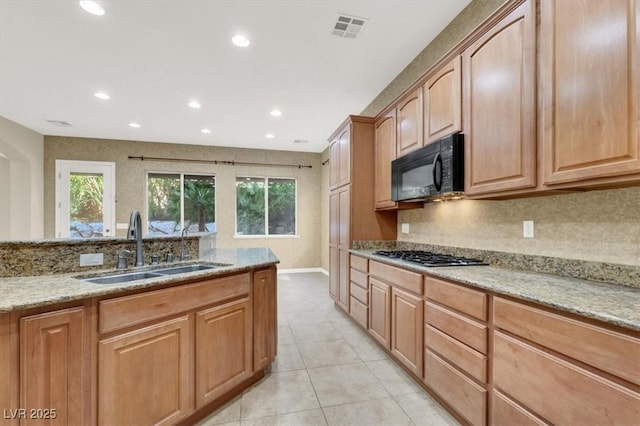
(385, 153)
(344, 165)
(343, 293)
(590, 89)
(334, 163)
(499, 101)
(334, 219)
(223, 349)
(407, 329)
(265, 328)
(131, 365)
(334, 272)
(443, 102)
(380, 312)
(52, 366)
(409, 113)
(344, 217)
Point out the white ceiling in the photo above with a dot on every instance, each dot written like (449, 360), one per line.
(153, 57)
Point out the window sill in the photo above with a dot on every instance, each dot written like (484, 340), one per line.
(265, 237)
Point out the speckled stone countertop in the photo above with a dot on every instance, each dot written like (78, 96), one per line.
(609, 303)
(18, 293)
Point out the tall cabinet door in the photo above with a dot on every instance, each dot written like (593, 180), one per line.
(52, 360)
(443, 102)
(265, 328)
(409, 115)
(385, 153)
(499, 106)
(590, 89)
(130, 365)
(344, 217)
(344, 165)
(334, 163)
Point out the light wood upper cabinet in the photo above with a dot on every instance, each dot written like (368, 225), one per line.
(53, 373)
(385, 153)
(499, 105)
(590, 90)
(133, 364)
(334, 163)
(443, 102)
(340, 159)
(409, 116)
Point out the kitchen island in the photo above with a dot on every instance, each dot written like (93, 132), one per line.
(160, 350)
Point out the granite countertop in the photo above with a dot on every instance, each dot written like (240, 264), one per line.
(609, 303)
(29, 292)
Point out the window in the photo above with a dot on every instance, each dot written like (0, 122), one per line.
(176, 201)
(265, 206)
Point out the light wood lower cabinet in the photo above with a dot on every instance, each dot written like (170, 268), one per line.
(265, 317)
(144, 376)
(53, 373)
(223, 349)
(380, 312)
(406, 329)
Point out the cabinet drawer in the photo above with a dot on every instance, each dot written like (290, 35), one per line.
(465, 330)
(359, 278)
(361, 294)
(460, 392)
(359, 312)
(360, 263)
(557, 390)
(407, 280)
(607, 350)
(465, 300)
(507, 413)
(473, 362)
(127, 311)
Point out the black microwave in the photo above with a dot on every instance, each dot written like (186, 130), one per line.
(435, 171)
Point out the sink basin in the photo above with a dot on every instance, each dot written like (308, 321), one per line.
(121, 278)
(182, 269)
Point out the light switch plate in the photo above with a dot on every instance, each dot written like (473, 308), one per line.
(404, 228)
(91, 259)
(527, 229)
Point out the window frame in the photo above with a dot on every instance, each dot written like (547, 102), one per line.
(266, 201)
(182, 175)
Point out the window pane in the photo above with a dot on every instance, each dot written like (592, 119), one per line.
(163, 193)
(199, 203)
(282, 206)
(250, 206)
(85, 205)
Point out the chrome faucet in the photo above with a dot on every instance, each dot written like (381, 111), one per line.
(123, 262)
(183, 254)
(135, 233)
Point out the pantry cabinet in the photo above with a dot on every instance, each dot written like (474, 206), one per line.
(499, 105)
(443, 102)
(54, 371)
(409, 116)
(590, 91)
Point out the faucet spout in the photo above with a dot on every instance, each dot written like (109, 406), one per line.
(135, 233)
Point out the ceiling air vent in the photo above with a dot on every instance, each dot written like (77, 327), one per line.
(59, 123)
(348, 26)
(300, 141)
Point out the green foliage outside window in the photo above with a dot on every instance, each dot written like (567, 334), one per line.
(251, 199)
(85, 198)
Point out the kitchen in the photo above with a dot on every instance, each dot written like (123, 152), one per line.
(591, 234)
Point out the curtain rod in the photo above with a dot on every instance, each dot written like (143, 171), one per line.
(224, 162)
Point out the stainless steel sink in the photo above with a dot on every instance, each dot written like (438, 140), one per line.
(122, 278)
(183, 269)
(142, 275)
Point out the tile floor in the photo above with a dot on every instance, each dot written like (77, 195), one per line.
(328, 371)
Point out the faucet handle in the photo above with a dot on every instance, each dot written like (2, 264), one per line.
(123, 261)
(155, 259)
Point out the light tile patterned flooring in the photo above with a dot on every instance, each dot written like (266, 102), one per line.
(328, 371)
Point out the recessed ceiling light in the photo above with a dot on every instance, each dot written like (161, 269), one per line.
(276, 113)
(240, 40)
(102, 95)
(207, 131)
(92, 7)
(135, 125)
(194, 104)
(269, 136)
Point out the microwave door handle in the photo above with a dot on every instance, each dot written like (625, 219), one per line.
(437, 172)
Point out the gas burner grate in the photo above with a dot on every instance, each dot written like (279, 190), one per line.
(427, 258)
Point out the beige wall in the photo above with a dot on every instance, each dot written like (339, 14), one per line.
(302, 251)
(21, 182)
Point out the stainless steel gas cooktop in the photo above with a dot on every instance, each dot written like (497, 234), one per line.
(427, 258)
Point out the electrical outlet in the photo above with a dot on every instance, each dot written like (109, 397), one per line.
(527, 229)
(92, 259)
(404, 228)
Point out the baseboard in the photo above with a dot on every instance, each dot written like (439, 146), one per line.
(303, 271)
